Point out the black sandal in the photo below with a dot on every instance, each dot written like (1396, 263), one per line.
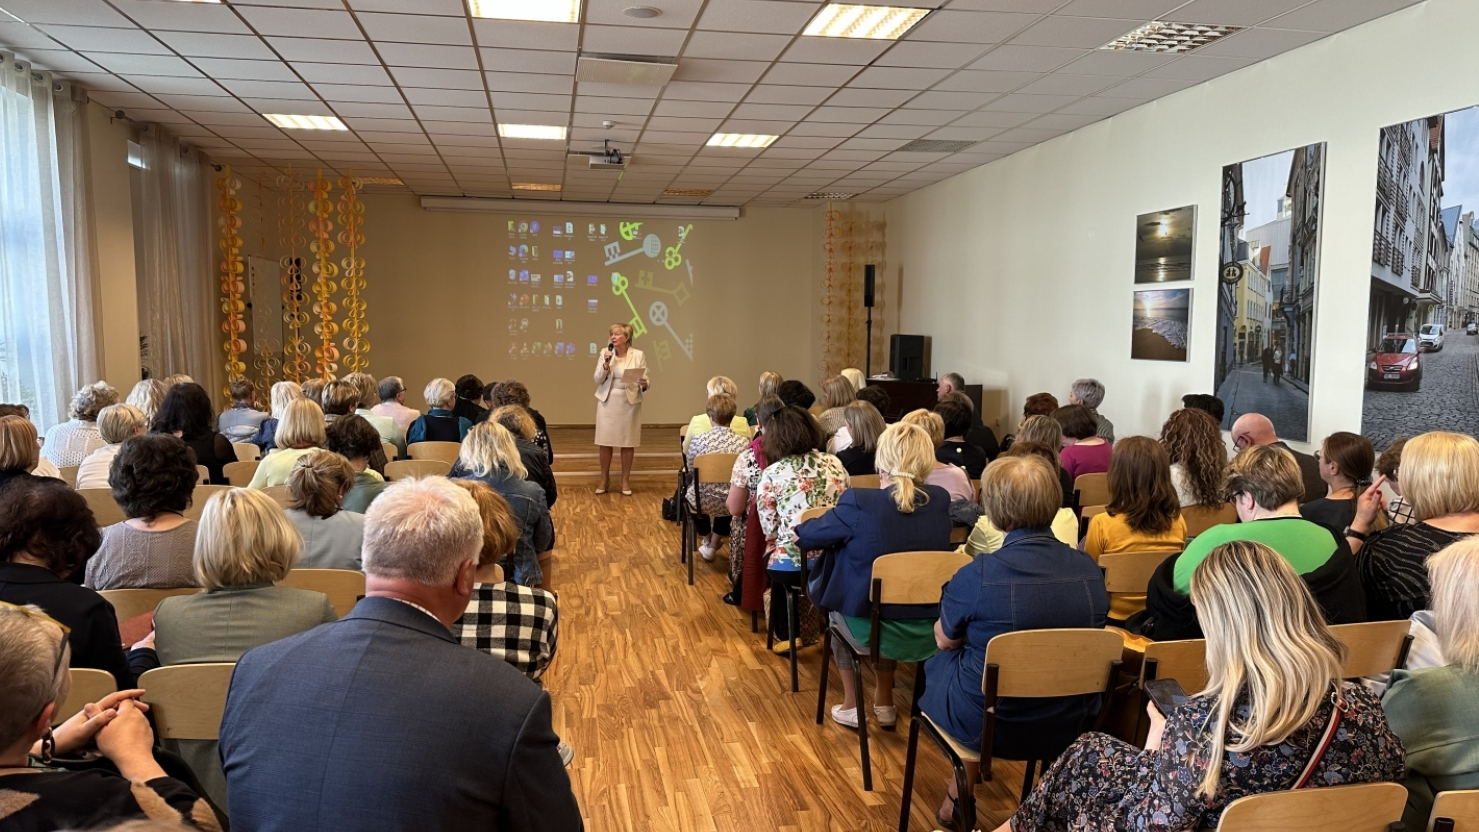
(948, 823)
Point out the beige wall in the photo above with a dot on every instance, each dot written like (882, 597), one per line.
(117, 312)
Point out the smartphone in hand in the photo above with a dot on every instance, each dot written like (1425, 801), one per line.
(1167, 694)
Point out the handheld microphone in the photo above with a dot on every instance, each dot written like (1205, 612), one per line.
(611, 345)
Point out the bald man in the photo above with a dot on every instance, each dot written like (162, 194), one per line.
(1255, 429)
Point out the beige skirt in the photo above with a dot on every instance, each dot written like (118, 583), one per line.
(618, 423)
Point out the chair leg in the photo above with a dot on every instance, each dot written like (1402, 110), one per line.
(965, 803)
(822, 681)
(1027, 780)
(754, 621)
(793, 633)
(690, 539)
(863, 732)
(909, 757)
(918, 690)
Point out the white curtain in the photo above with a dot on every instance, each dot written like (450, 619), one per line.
(48, 344)
(178, 294)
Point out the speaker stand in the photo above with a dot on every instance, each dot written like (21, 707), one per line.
(868, 356)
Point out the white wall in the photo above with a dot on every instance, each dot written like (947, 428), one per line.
(1023, 270)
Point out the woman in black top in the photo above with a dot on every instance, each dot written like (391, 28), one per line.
(20, 450)
(510, 391)
(864, 426)
(470, 399)
(1346, 460)
(186, 412)
(520, 423)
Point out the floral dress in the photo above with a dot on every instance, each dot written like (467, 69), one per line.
(788, 487)
(711, 495)
(1102, 784)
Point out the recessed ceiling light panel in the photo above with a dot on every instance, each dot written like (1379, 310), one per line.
(292, 122)
(740, 140)
(830, 195)
(1171, 37)
(686, 192)
(549, 132)
(379, 180)
(553, 11)
(536, 186)
(842, 20)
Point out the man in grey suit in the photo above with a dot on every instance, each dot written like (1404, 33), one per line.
(382, 721)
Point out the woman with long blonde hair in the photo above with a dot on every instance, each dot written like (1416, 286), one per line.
(770, 385)
(837, 392)
(1275, 715)
(490, 455)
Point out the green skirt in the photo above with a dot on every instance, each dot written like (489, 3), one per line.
(904, 640)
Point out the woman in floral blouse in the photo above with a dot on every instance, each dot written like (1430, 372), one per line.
(800, 476)
(1274, 686)
(745, 537)
(710, 499)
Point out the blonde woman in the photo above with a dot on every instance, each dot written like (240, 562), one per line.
(619, 404)
(147, 395)
(948, 477)
(490, 455)
(520, 423)
(301, 430)
(837, 393)
(855, 377)
(770, 385)
(71, 441)
(904, 515)
(439, 424)
(283, 394)
(317, 485)
(701, 423)
(857, 442)
(116, 423)
(1045, 430)
(1275, 715)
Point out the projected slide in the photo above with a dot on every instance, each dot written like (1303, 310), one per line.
(568, 280)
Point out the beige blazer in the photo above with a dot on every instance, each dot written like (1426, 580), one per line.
(606, 379)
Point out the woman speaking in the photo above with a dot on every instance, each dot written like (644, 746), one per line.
(621, 379)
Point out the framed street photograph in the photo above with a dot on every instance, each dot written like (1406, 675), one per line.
(1163, 243)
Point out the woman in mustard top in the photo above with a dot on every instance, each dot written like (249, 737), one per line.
(1143, 515)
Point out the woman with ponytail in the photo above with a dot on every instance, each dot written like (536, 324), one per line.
(1346, 462)
(903, 515)
(1275, 715)
(317, 485)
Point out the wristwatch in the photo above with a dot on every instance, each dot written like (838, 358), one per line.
(1350, 532)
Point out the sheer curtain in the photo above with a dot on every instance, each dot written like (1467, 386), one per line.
(177, 282)
(48, 344)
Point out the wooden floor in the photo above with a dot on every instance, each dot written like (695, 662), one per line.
(682, 720)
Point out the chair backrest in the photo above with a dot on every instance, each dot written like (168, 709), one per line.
(128, 603)
(863, 481)
(1184, 661)
(390, 451)
(1130, 572)
(445, 451)
(1201, 518)
(1368, 807)
(105, 510)
(246, 451)
(812, 514)
(198, 498)
(88, 685)
(240, 473)
(714, 467)
(1373, 647)
(69, 475)
(683, 433)
(343, 586)
(278, 493)
(406, 468)
(1063, 662)
(1093, 489)
(1461, 807)
(959, 534)
(186, 700)
(202, 475)
(976, 489)
(915, 577)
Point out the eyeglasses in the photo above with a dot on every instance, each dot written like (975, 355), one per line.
(1241, 441)
(61, 654)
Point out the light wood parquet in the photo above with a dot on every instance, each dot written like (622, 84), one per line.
(682, 720)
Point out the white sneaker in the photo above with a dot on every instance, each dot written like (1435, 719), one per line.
(566, 754)
(887, 716)
(706, 551)
(846, 718)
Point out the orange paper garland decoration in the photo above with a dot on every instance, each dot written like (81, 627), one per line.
(351, 215)
(232, 267)
(325, 271)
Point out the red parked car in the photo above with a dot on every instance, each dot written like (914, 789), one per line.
(1395, 363)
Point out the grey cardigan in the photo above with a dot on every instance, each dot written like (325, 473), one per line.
(220, 624)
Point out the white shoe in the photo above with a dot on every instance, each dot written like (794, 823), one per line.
(706, 551)
(887, 716)
(846, 718)
(566, 754)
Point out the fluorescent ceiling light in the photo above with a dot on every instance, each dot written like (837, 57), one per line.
(554, 11)
(379, 180)
(1170, 37)
(289, 122)
(830, 195)
(531, 131)
(687, 191)
(740, 140)
(842, 20)
(536, 186)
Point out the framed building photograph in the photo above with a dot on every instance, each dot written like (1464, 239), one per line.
(1163, 245)
(1161, 326)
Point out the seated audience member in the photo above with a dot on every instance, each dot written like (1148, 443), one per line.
(1143, 514)
(116, 423)
(302, 429)
(316, 488)
(469, 402)
(339, 398)
(949, 383)
(1255, 429)
(878, 397)
(511, 391)
(855, 377)
(389, 431)
(517, 421)
(186, 413)
(986, 538)
(745, 537)
(1044, 584)
(796, 393)
(1205, 402)
(952, 479)
(1274, 689)
(1388, 465)
(866, 524)
(711, 520)
(955, 411)
(1090, 393)
(177, 378)
(1037, 404)
(770, 384)
(153, 478)
(45, 541)
(34, 682)
(718, 385)
(490, 456)
(799, 476)
(243, 548)
(392, 393)
(283, 393)
(354, 439)
(313, 390)
(1084, 451)
(439, 424)
(1435, 710)
(147, 395)
(1198, 456)
(1265, 486)
(1346, 460)
(71, 441)
(1045, 430)
(39, 465)
(977, 433)
(20, 449)
(864, 426)
(837, 392)
(240, 421)
(472, 766)
(1440, 476)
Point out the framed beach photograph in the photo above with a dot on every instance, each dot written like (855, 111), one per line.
(1163, 245)
(1162, 325)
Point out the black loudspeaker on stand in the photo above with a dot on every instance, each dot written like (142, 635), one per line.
(868, 272)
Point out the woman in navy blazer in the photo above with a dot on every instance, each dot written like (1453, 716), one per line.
(904, 515)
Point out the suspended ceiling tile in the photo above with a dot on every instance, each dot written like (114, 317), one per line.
(1062, 83)
(530, 82)
(898, 78)
(870, 98)
(478, 115)
(846, 51)
(1144, 89)
(20, 36)
(245, 70)
(1018, 58)
(935, 117)
(448, 8)
(454, 79)
(676, 14)
(772, 112)
(633, 40)
(100, 82)
(619, 90)
(532, 101)
(1063, 121)
(528, 60)
(1099, 106)
(1259, 43)
(1020, 103)
(735, 46)
(1137, 10)
(80, 12)
(811, 75)
(142, 64)
(766, 16)
(999, 121)
(359, 94)
(179, 86)
(703, 69)
(700, 109)
(182, 17)
(416, 28)
(1327, 16)
(60, 60)
(1120, 64)
(446, 98)
(1233, 12)
(304, 23)
(526, 34)
(784, 94)
(321, 50)
(270, 89)
(971, 80)
(895, 131)
(909, 53)
(357, 75)
(428, 55)
(970, 27)
(614, 106)
(960, 101)
(94, 38)
(466, 128)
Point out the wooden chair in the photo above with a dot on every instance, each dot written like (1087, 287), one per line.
(1368, 807)
(1029, 664)
(406, 468)
(278, 493)
(202, 475)
(390, 450)
(343, 586)
(445, 451)
(240, 473)
(707, 468)
(958, 534)
(1086, 514)
(186, 700)
(1461, 807)
(1184, 661)
(1373, 647)
(246, 451)
(88, 685)
(105, 510)
(69, 475)
(1091, 490)
(1201, 518)
(976, 489)
(198, 498)
(1129, 573)
(863, 481)
(128, 603)
(901, 578)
